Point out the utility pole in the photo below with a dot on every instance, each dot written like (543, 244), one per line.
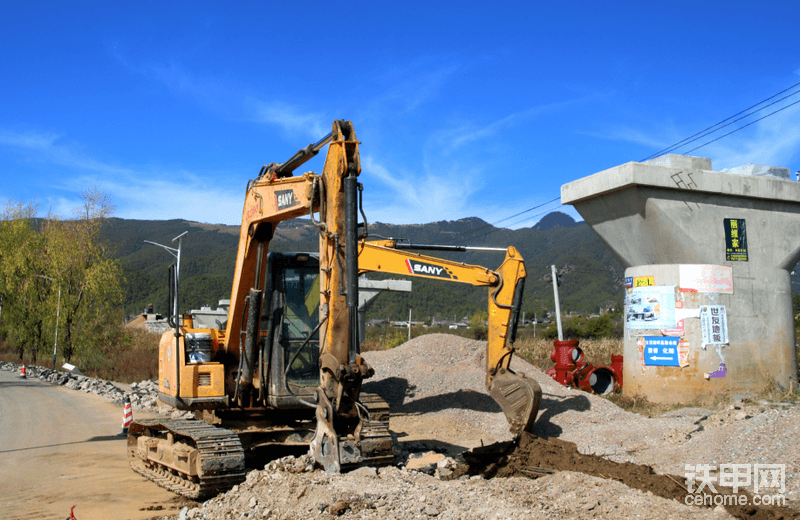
(409, 323)
(58, 314)
(558, 305)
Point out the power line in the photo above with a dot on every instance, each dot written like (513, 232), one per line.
(687, 139)
(527, 210)
(743, 126)
(530, 218)
(498, 229)
(739, 119)
(463, 237)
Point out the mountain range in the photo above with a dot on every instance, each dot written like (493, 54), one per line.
(590, 277)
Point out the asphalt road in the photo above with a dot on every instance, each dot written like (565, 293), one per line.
(59, 448)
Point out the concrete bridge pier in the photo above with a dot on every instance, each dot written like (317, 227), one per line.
(695, 242)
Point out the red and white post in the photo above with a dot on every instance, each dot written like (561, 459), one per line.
(22, 374)
(127, 417)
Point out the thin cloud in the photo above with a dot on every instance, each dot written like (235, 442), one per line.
(456, 138)
(774, 141)
(291, 119)
(421, 198)
(137, 193)
(229, 101)
(636, 136)
(30, 140)
(413, 85)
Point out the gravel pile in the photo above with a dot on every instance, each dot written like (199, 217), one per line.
(291, 489)
(440, 378)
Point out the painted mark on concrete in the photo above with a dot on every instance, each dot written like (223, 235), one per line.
(684, 184)
(722, 371)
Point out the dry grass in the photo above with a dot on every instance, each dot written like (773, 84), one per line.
(639, 404)
(133, 357)
(385, 338)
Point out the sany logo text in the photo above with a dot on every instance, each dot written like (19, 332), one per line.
(284, 199)
(423, 268)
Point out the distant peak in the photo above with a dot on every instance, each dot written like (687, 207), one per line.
(555, 219)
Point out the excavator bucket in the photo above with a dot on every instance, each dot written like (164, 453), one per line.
(519, 397)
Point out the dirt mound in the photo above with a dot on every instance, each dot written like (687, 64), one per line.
(435, 385)
(533, 457)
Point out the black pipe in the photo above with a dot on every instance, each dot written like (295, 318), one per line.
(516, 305)
(250, 339)
(170, 301)
(428, 247)
(302, 156)
(401, 244)
(176, 323)
(265, 345)
(351, 256)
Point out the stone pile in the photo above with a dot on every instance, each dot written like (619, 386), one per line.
(143, 395)
(293, 488)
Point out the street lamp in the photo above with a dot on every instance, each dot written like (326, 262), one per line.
(177, 254)
(58, 313)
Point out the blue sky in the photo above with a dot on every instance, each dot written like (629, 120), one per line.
(469, 109)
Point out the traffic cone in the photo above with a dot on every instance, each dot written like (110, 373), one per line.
(127, 417)
(22, 374)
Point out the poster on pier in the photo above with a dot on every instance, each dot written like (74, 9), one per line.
(650, 307)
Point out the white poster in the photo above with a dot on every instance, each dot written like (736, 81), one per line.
(714, 325)
(650, 307)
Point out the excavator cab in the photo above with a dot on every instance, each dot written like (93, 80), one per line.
(299, 326)
(290, 329)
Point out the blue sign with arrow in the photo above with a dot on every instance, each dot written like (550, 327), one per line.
(661, 351)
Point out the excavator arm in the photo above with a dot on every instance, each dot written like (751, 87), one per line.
(518, 396)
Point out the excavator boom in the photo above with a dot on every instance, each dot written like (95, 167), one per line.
(518, 396)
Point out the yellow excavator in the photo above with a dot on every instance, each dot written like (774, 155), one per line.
(287, 368)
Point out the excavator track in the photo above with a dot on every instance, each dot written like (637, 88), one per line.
(218, 457)
(377, 445)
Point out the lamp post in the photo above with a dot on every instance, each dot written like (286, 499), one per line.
(58, 313)
(177, 254)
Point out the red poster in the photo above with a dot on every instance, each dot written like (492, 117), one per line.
(706, 278)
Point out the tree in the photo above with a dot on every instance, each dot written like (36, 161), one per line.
(477, 325)
(79, 260)
(23, 292)
(58, 275)
(600, 327)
